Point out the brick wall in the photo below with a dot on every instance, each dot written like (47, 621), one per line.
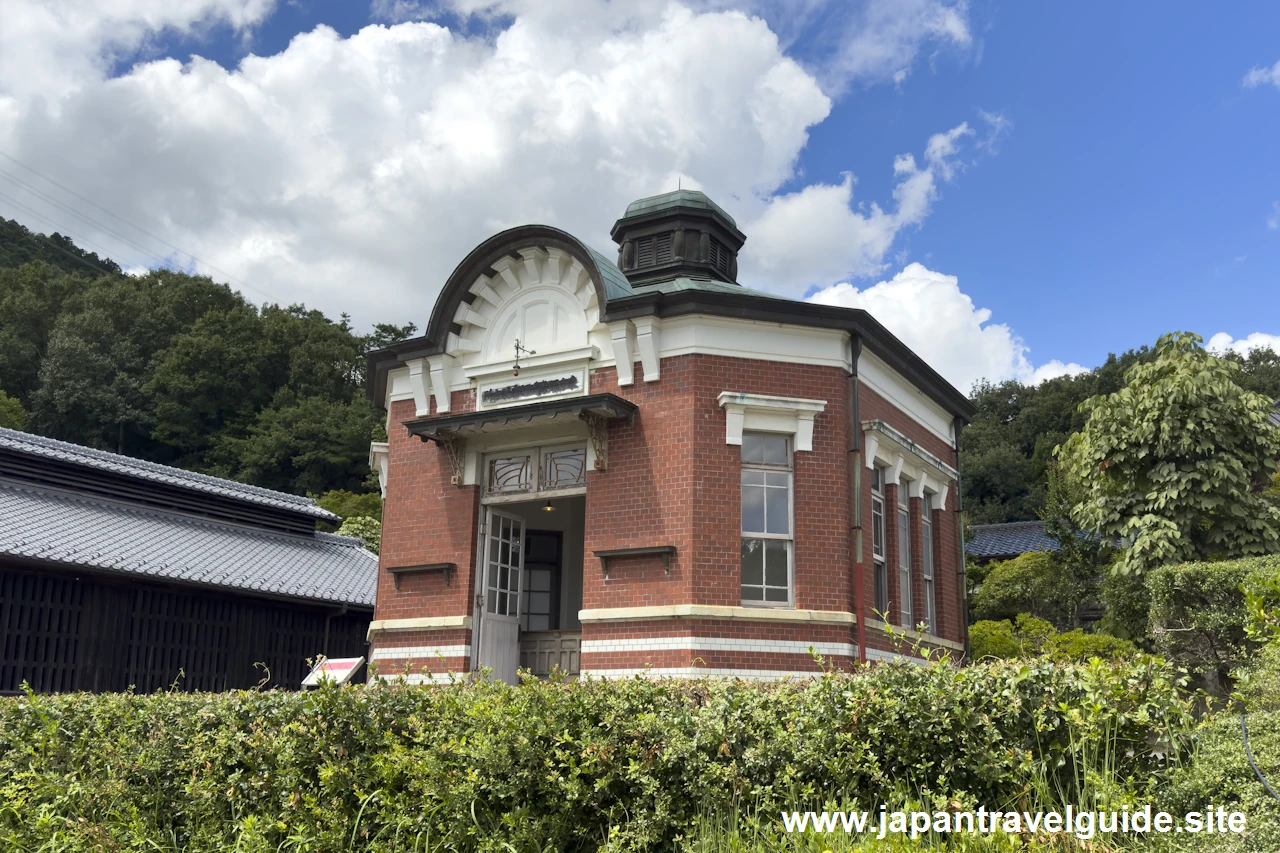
(673, 480)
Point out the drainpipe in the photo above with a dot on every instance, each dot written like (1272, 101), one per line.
(960, 573)
(853, 445)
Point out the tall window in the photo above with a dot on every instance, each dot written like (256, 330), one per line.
(926, 552)
(766, 520)
(878, 539)
(904, 554)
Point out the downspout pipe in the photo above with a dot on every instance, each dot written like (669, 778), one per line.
(961, 575)
(853, 445)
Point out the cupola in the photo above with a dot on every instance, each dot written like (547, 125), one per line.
(674, 235)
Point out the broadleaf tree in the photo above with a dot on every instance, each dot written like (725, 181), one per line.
(1172, 466)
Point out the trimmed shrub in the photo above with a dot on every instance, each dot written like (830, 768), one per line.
(588, 765)
(1199, 617)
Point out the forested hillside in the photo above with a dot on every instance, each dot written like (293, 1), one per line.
(181, 370)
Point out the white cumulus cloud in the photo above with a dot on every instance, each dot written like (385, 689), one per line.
(928, 312)
(1223, 342)
(353, 173)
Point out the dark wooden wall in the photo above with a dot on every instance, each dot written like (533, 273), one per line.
(60, 632)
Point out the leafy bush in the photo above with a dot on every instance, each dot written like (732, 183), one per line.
(367, 529)
(585, 765)
(1221, 775)
(1199, 617)
(347, 504)
(1034, 583)
(1027, 637)
(12, 415)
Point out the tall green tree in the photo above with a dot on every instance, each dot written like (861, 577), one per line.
(1173, 464)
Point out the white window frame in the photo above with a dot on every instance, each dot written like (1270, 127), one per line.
(906, 609)
(788, 538)
(879, 564)
(926, 562)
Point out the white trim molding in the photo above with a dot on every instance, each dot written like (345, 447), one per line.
(877, 625)
(408, 652)
(897, 453)
(647, 342)
(744, 412)
(415, 678)
(698, 672)
(717, 644)
(380, 462)
(708, 611)
(625, 346)
(422, 623)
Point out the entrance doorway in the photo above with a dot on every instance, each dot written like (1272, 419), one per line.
(529, 588)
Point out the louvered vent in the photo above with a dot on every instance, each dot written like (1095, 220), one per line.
(644, 252)
(718, 256)
(664, 248)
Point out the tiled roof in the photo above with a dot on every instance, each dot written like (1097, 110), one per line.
(1008, 540)
(1275, 416)
(61, 527)
(101, 460)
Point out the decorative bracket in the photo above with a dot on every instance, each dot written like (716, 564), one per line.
(456, 446)
(598, 429)
(665, 550)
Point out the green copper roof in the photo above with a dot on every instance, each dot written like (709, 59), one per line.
(677, 198)
(678, 285)
(616, 285)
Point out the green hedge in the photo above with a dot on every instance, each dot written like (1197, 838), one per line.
(1199, 615)
(557, 766)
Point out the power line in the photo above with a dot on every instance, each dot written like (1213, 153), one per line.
(136, 227)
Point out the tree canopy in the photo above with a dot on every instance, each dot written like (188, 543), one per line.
(1006, 451)
(1174, 464)
(179, 369)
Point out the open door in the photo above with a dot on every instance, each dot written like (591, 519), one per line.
(502, 567)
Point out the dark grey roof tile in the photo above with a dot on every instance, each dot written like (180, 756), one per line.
(60, 527)
(75, 454)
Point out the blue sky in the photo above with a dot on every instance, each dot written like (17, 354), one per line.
(1127, 195)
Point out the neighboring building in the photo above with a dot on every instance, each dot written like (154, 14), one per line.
(991, 542)
(1275, 415)
(671, 473)
(119, 573)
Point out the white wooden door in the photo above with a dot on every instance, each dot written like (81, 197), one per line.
(500, 607)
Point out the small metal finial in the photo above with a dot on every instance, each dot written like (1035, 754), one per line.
(520, 350)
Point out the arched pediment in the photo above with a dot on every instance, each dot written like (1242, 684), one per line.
(535, 283)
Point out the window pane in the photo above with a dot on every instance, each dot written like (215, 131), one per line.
(775, 563)
(538, 623)
(777, 510)
(904, 492)
(775, 449)
(753, 478)
(752, 448)
(752, 593)
(775, 594)
(493, 601)
(877, 527)
(904, 539)
(539, 602)
(881, 589)
(752, 508)
(752, 561)
(777, 479)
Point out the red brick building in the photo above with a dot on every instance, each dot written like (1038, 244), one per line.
(614, 467)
